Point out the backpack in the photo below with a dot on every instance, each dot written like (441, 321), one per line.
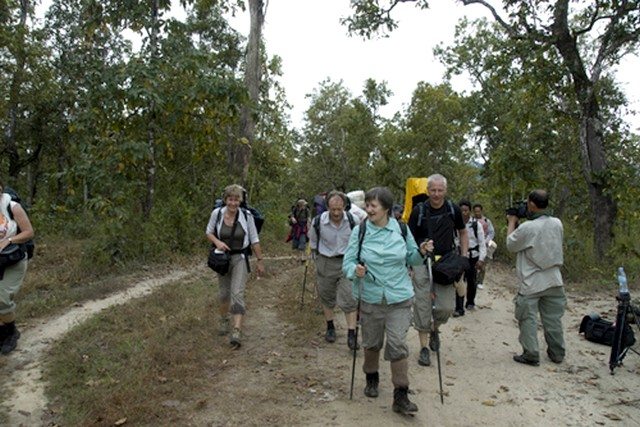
(258, 217)
(363, 230)
(29, 246)
(414, 193)
(316, 226)
(602, 331)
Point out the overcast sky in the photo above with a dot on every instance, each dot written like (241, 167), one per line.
(313, 45)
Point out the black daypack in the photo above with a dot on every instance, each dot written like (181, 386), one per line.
(29, 246)
(601, 331)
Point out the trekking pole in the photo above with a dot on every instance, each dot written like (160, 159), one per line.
(304, 283)
(355, 347)
(432, 320)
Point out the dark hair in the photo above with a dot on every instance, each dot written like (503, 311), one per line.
(334, 193)
(464, 202)
(477, 205)
(540, 198)
(382, 195)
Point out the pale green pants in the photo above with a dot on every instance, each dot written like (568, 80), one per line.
(550, 303)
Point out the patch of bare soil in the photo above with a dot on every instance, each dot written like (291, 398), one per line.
(284, 376)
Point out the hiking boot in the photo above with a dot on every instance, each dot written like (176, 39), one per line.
(351, 342)
(434, 340)
(553, 358)
(235, 338)
(330, 336)
(10, 342)
(458, 313)
(521, 359)
(424, 359)
(401, 402)
(470, 307)
(371, 389)
(480, 286)
(223, 325)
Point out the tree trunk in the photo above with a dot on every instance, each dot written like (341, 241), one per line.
(252, 81)
(19, 54)
(150, 168)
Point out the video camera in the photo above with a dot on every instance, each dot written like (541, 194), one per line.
(519, 209)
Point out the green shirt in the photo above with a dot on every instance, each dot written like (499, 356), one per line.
(386, 256)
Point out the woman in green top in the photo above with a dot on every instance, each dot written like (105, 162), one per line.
(377, 263)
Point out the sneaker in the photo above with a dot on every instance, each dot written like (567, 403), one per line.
(223, 325)
(10, 342)
(458, 313)
(434, 340)
(521, 359)
(235, 339)
(351, 342)
(401, 402)
(424, 359)
(330, 336)
(470, 307)
(479, 286)
(371, 389)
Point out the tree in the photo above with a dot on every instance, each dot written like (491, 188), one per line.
(589, 38)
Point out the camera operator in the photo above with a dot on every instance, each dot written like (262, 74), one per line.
(538, 245)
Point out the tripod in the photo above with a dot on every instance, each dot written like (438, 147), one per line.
(620, 347)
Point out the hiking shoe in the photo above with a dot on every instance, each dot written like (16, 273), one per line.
(434, 340)
(235, 339)
(470, 307)
(330, 336)
(10, 342)
(401, 402)
(424, 359)
(223, 325)
(351, 342)
(371, 389)
(480, 286)
(458, 313)
(554, 359)
(521, 359)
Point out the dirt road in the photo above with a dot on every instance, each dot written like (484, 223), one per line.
(274, 380)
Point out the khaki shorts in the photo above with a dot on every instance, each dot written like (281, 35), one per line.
(392, 320)
(10, 285)
(424, 307)
(333, 288)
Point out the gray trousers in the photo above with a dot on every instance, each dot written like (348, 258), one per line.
(442, 306)
(550, 303)
(231, 286)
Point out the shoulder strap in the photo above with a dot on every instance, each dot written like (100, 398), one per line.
(420, 213)
(361, 232)
(474, 226)
(316, 226)
(403, 230)
(352, 222)
(215, 226)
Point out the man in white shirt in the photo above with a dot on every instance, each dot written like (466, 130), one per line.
(477, 255)
(489, 235)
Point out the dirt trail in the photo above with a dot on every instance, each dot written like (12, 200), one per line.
(269, 381)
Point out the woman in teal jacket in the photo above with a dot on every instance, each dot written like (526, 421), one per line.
(377, 265)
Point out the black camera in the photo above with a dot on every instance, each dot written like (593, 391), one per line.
(519, 209)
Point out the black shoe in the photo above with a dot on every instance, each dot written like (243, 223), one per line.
(330, 336)
(424, 359)
(10, 342)
(554, 359)
(401, 402)
(434, 340)
(371, 389)
(351, 342)
(458, 313)
(521, 359)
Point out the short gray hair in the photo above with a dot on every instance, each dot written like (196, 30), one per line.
(436, 177)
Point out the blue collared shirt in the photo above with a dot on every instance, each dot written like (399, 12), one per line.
(386, 256)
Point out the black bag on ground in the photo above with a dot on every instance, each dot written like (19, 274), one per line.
(219, 261)
(601, 331)
(449, 268)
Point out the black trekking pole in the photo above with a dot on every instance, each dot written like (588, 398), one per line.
(432, 321)
(304, 281)
(355, 347)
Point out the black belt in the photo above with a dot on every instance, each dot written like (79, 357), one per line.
(335, 256)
